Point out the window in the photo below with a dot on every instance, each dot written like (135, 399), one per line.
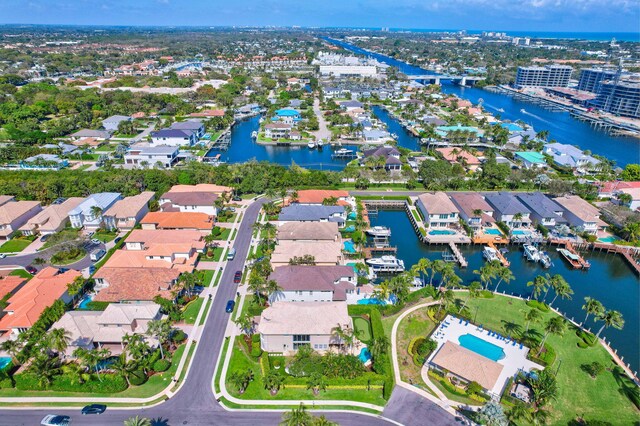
(444, 216)
(300, 340)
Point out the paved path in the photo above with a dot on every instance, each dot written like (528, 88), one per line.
(143, 134)
(410, 409)
(323, 131)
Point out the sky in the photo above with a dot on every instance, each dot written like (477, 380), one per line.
(506, 15)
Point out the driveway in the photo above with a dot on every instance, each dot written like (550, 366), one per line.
(410, 409)
(323, 131)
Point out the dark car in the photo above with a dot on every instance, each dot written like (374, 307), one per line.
(236, 198)
(237, 277)
(55, 420)
(94, 409)
(117, 240)
(44, 237)
(31, 269)
(230, 305)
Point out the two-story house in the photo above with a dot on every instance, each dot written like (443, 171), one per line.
(473, 209)
(124, 214)
(90, 213)
(437, 210)
(581, 215)
(508, 209)
(150, 156)
(301, 283)
(14, 214)
(173, 137)
(544, 211)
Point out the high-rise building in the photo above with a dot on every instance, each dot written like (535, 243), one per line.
(590, 78)
(547, 76)
(620, 97)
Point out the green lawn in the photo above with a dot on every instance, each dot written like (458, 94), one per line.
(207, 276)
(217, 254)
(105, 148)
(15, 245)
(191, 311)
(362, 328)
(224, 234)
(578, 394)
(105, 237)
(21, 273)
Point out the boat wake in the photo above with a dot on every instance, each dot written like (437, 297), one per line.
(538, 118)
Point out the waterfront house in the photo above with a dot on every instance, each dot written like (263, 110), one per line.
(173, 137)
(178, 220)
(530, 159)
(44, 162)
(390, 155)
(285, 326)
(100, 135)
(25, 306)
(14, 214)
(112, 123)
(319, 196)
(325, 253)
(208, 113)
(544, 211)
(52, 218)
(151, 156)
(473, 209)
(350, 105)
(308, 231)
(189, 201)
(303, 283)
(90, 213)
(508, 209)
(277, 130)
(195, 126)
(569, 156)
(437, 210)
(459, 133)
(107, 329)
(613, 188)
(313, 213)
(460, 156)
(115, 284)
(124, 214)
(376, 135)
(288, 115)
(580, 214)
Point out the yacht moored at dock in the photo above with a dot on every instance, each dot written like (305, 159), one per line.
(545, 260)
(531, 252)
(386, 264)
(490, 254)
(379, 231)
(254, 135)
(311, 144)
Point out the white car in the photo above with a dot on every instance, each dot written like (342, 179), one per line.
(96, 241)
(2, 255)
(55, 420)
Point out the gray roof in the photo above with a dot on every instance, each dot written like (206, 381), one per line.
(117, 118)
(375, 133)
(88, 133)
(187, 125)
(539, 204)
(506, 203)
(153, 150)
(310, 212)
(171, 133)
(319, 278)
(351, 104)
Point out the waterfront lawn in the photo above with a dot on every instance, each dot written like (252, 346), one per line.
(15, 245)
(295, 388)
(190, 312)
(599, 399)
(416, 324)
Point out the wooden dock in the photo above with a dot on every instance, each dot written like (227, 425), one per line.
(634, 264)
(501, 257)
(370, 252)
(459, 257)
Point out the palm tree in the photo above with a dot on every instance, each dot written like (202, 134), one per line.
(316, 383)
(45, 368)
(533, 315)
(592, 307)
(297, 417)
(344, 335)
(555, 325)
(544, 388)
(96, 211)
(446, 299)
(539, 416)
(323, 421)
(241, 380)
(271, 286)
(245, 323)
(423, 265)
(12, 347)
(161, 330)
(539, 285)
(378, 346)
(137, 421)
(519, 411)
(58, 339)
(561, 287)
(124, 367)
(610, 318)
(273, 381)
(76, 372)
(436, 266)
(503, 274)
(486, 274)
(382, 291)
(474, 292)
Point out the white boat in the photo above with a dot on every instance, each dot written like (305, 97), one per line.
(523, 110)
(311, 144)
(379, 231)
(531, 252)
(320, 143)
(343, 152)
(545, 259)
(500, 109)
(254, 134)
(417, 282)
(261, 120)
(490, 254)
(386, 263)
(394, 136)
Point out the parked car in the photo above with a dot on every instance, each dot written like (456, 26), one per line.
(2, 255)
(117, 240)
(237, 277)
(230, 305)
(31, 269)
(44, 237)
(96, 241)
(55, 420)
(236, 198)
(97, 254)
(90, 234)
(94, 409)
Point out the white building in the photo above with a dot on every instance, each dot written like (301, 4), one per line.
(174, 137)
(111, 123)
(89, 213)
(150, 156)
(302, 283)
(349, 70)
(437, 209)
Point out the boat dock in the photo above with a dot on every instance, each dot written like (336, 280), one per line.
(501, 257)
(458, 255)
(370, 252)
(223, 141)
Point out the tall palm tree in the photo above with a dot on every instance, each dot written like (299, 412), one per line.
(555, 325)
(561, 287)
(592, 307)
(297, 417)
(486, 274)
(503, 274)
(539, 285)
(58, 339)
(474, 292)
(436, 266)
(273, 382)
(161, 330)
(12, 347)
(533, 315)
(137, 421)
(446, 299)
(124, 367)
(610, 318)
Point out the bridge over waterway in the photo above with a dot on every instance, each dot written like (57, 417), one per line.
(462, 80)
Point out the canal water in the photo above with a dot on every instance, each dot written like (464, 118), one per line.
(405, 138)
(561, 126)
(243, 148)
(609, 280)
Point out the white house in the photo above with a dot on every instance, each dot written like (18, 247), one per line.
(302, 283)
(85, 215)
(437, 209)
(194, 126)
(174, 137)
(150, 156)
(111, 123)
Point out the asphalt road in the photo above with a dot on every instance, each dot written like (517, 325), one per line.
(22, 260)
(194, 404)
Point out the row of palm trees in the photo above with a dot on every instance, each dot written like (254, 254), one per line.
(543, 283)
(609, 317)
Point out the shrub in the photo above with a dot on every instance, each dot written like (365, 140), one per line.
(178, 336)
(108, 383)
(588, 339)
(418, 359)
(97, 306)
(161, 365)
(413, 345)
(6, 383)
(594, 369)
(538, 305)
(425, 347)
(255, 338)
(137, 378)
(256, 350)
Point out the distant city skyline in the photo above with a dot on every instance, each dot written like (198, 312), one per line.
(496, 15)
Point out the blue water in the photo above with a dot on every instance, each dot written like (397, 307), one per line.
(85, 301)
(4, 362)
(441, 232)
(520, 232)
(405, 138)
(365, 355)
(561, 126)
(371, 301)
(609, 280)
(349, 247)
(492, 231)
(243, 148)
(578, 35)
(481, 347)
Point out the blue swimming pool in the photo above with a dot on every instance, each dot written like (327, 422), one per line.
(371, 301)
(352, 216)
(85, 301)
(608, 239)
(481, 347)
(441, 232)
(349, 247)
(520, 232)
(365, 355)
(492, 231)
(4, 362)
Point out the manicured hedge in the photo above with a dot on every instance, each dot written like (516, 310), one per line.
(161, 365)
(538, 305)
(110, 383)
(137, 378)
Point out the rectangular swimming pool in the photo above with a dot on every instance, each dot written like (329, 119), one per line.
(441, 232)
(481, 347)
(492, 231)
(520, 232)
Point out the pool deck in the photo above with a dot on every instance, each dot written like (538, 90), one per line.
(515, 358)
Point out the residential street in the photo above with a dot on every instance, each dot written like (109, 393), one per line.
(194, 404)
